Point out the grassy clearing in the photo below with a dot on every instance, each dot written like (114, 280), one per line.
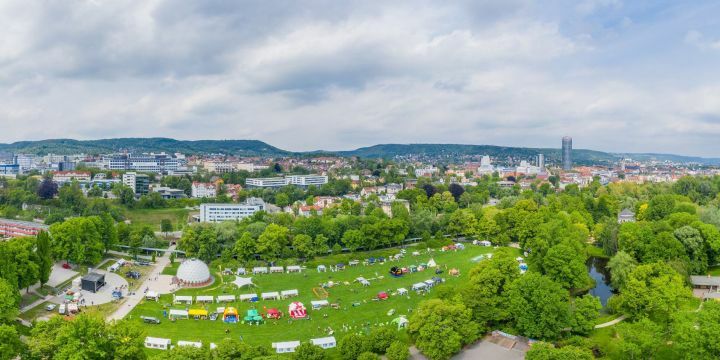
(367, 314)
(37, 311)
(171, 269)
(153, 217)
(28, 298)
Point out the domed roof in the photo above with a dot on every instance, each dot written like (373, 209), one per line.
(193, 271)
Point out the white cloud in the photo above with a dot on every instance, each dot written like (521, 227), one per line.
(338, 75)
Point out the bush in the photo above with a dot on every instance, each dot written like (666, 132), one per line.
(397, 351)
(367, 356)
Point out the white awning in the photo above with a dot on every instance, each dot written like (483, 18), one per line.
(241, 281)
(244, 297)
(402, 291)
(225, 298)
(319, 303)
(260, 270)
(175, 312)
(293, 268)
(326, 342)
(151, 295)
(157, 341)
(270, 295)
(419, 286)
(276, 269)
(183, 298)
(289, 293)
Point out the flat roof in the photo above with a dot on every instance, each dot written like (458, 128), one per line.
(701, 280)
(24, 223)
(95, 277)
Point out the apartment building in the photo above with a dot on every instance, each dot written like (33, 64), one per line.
(203, 190)
(16, 228)
(139, 183)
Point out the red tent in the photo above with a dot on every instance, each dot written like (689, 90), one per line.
(273, 314)
(382, 295)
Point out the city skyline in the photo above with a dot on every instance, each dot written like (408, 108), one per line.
(618, 76)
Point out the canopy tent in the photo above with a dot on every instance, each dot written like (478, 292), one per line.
(182, 299)
(205, 299)
(253, 316)
(460, 246)
(321, 268)
(273, 314)
(432, 263)
(178, 314)
(230, 315)
(289, 293)
(454, 272)
(190, 343)
(152, 295)
(363, 281)
(241, 271)
(157, 343)
(294, 268)
(402, 291)
(270, 295)
(401, 322)
(285, 347)
(354, 262)
(297, 310)
(241, 281)
(276, 269)
(317, 304)
(225, 298)
(198, 313)
(382, 295)
(419, 286)
(260, 270)
(429, 283)
(325, 343)
(249, 297)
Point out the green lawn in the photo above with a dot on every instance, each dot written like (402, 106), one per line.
(171, 269)
(153, 217)
(368, 314)
(28, 298)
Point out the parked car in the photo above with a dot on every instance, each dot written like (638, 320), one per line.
(150, 320)
(132, 274)
(143, 263)
(51, 307)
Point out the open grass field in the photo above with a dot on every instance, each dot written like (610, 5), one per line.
(153, 217)
(367, 313)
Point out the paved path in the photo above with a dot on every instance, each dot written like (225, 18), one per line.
(36, 303)
(132, 300)
(611, 323)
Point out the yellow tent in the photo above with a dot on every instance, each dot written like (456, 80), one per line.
(198, 312)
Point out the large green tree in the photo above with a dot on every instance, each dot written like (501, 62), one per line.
(441, 328)
(538, 306)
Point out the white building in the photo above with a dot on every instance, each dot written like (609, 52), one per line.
(297, 180)
(266, 182)
(426, 171)
(158, 163)
(61, 177)
(325, 343)
(203, 190)
(285, 347)
(230, 212)
(307, 180)
(486, 167)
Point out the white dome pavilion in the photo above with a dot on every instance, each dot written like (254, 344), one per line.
(193, 272)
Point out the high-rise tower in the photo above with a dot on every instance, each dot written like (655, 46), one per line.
(567, 153)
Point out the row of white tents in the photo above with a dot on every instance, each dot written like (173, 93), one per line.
(290, 346)
(274, 295)
(280, 347)
(270, 270)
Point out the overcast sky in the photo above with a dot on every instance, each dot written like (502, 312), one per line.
(636, 76)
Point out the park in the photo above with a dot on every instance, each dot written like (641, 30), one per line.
(340, 297)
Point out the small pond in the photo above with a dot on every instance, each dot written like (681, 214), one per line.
(598, 271)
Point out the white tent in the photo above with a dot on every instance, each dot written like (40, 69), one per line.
(205, 299)
(354, 262)
(220, 309)
(213, 346)
(114, 267)
(429, 282)
(402, 291)
(270, 295)
(325, 343)
(294, 268)
(289, 293)
(241, 281)
(182, 299)
(276, 269)
(157, 343)
(225, 298)
(285, 347)
(178, 314)
(196, 344)
(152, 295)
(419, 286)
(363, 281)
(248, 297)
(321, 268)
(260, 270)
(241, 271)
(432, 263)
(317, 304)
